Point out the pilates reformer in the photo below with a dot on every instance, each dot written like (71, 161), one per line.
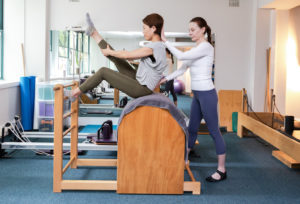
(23, 141)
(143, 166)
(268, 126)
(88, 112)
(30, 137)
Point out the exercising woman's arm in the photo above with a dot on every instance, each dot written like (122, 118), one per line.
(130, 55)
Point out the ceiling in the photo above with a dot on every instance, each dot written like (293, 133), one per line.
(282, 4)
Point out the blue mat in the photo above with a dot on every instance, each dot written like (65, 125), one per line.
(27, 91)
(93, 128)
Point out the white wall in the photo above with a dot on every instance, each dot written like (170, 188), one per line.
(286, 65)
(25, 21)
(282, 19)
(263, 25)
(10, 104)
(13, 38)
(262, 3)
(12, 62)
(293, 64)
(36, 41)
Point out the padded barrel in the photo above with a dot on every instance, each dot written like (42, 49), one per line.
(151, 146)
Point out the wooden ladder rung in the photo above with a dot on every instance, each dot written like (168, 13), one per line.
(69, 85)
(69, 114)
(68, 164)
(68, 130)
(187, 166)
(97, 162)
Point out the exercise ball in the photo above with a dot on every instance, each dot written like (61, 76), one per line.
(178, 86)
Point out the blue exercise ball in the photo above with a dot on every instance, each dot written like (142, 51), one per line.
(178, 86)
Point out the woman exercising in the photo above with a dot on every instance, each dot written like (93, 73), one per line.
(205, 101)
(135, 83)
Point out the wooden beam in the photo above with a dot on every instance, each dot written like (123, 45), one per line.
(68, 164)
(286, 159)
(89, 185)
(282, 142)
(74, 131)
(58, 138)
(116, 97)
(97, 162)
(187, 167)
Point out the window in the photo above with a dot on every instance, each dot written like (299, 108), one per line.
(1, 39)
(78, 53)
(63, 52)
(69, 51)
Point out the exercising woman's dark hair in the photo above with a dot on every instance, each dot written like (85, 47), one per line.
(168, 51)
(201, 22)
(156, 20)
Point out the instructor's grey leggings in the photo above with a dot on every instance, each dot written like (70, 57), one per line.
(124, 80)
(205, 105)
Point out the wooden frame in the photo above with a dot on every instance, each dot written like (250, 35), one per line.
(289, 149)
(230, 101)
(124, 168)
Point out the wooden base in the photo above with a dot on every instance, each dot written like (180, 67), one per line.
(194, 187)
(111, 185)
(88, 185)
(286, 159)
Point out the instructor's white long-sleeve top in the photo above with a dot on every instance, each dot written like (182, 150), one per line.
(200, 61)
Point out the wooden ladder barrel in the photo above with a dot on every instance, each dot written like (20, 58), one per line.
(151, 146)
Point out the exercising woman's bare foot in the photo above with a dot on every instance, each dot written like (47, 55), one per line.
(76, 92)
